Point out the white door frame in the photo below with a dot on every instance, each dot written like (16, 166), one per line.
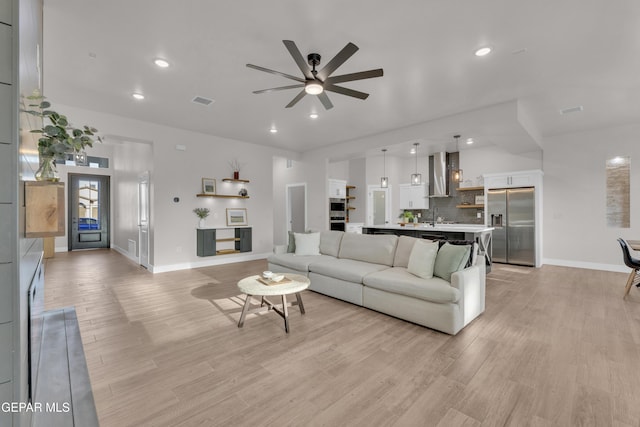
(144, 225)
(288, 207)
(387, 208)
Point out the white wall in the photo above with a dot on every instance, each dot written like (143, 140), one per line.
(179, 174)
(575, 232)
(477, 161)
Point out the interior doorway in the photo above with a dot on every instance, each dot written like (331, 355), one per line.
(89, 219)
(378, 205)
(143, 219)
(296, 208)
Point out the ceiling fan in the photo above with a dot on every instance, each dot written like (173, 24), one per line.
(316, 82)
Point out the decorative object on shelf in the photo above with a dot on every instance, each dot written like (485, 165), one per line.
(416, 178)
(384, 181)
(479, 199)
(456, 174)
(235, 167)
(208, 186)
(201, 213)
(243, 192)
(236, 217)
(58, 137)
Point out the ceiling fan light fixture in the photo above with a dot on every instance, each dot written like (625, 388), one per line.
(313, 87)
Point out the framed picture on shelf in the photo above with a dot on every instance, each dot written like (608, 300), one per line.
(480, 200)
(208, 186)
(236, 217)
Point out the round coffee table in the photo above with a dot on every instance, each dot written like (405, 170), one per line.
(291, 284)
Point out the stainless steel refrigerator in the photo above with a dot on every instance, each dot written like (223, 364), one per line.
(512, 214)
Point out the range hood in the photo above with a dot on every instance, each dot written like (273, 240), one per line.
(439, 177)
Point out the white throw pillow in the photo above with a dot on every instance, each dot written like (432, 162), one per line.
(307, 244)
(423, 258)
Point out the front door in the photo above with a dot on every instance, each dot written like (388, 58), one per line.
(88, 211)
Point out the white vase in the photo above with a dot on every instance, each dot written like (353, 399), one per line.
(201, 223)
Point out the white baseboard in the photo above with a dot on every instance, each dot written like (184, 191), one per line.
(126, 253)
(214, 260)
(61, 249)
(587, 265)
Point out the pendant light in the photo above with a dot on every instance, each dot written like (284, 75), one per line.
(416, 178)
(456, 174)
(384, 181)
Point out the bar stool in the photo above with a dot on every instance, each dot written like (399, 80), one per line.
(631, 262)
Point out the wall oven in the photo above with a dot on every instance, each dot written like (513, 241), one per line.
(337, 214)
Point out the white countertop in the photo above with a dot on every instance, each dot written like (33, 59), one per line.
(461, 228)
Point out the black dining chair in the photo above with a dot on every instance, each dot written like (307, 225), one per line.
(633, 264)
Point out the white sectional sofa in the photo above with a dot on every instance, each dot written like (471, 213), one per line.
(372, 271)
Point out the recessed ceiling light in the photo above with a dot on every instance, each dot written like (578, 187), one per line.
(313, 115)
(483, 51)
(470, 141)
(273, 130)
(138, 96)
(162, 63)
(412, 151)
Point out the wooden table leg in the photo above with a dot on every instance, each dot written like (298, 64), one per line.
(247, 303)
(630, 280)
(285, 310)
(299, 298)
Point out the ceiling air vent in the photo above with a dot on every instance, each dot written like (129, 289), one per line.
(570, 110)
(202, 101)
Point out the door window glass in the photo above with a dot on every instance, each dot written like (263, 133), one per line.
(88, 205)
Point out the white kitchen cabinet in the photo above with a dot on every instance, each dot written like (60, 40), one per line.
(337, 189)
(413, 196)
(512, 179)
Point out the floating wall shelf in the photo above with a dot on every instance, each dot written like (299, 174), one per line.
(225, 196)
(244, 181)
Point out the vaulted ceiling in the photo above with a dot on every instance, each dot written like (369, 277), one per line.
(548, 55)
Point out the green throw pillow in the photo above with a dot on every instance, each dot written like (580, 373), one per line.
(451, 258)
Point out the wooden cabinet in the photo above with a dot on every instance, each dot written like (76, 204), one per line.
(413, 197)
(337, 189)
(44, 209)
(223, 241)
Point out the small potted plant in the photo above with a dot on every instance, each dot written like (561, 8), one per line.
(408, 217)
(58, 137)
(201, 213)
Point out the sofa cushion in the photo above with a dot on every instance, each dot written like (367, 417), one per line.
(398, 280)
(374, 248)
(403, 251)
(345, 269)
(450, 259)
(295, 262)
(330, 242)
(423, 258)
(307, 243)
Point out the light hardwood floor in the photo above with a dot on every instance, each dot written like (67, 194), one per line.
(555, 347)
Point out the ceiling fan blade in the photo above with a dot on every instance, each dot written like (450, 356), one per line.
(337, 61)
(273, 89)
(345, 91)
(355, 76)
(297, 56)
(325, 101)
(277, 73)
(295, 100)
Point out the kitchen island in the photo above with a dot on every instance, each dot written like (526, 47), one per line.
(471, 232)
